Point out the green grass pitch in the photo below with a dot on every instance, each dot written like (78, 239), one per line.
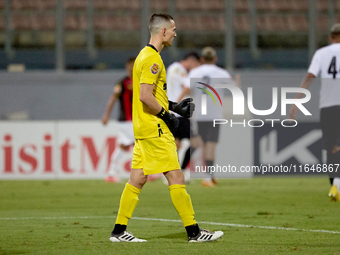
(76, 217)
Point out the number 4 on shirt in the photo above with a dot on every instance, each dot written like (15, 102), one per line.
(332, 68)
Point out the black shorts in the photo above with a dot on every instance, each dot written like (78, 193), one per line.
(330, 125)
(207, 131)
(183, 130)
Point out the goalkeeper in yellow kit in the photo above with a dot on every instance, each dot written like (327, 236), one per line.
(155, 148)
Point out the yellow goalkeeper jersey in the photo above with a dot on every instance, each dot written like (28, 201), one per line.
(149, 69)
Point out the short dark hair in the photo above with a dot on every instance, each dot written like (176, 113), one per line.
(193, 55)
(156, 17)
(164, 16)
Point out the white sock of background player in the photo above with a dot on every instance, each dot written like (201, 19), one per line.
(115, 161)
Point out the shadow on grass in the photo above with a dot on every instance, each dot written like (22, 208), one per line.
(179, 236)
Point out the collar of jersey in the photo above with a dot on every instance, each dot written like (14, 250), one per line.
(150, 45)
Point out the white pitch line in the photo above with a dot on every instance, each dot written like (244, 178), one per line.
(243, 226)
(179, 221)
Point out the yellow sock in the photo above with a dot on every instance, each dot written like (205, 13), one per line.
(128, 203)
(182, 202)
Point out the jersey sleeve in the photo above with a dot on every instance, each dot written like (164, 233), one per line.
(151, 69)
(117, 89)
(178, 76)
(186, 80)
(183, 79)
(315, 66)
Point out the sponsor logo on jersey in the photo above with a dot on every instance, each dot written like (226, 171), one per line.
(155, 68)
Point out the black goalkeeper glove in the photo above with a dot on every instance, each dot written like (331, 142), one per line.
(170, 120)
(185, 108)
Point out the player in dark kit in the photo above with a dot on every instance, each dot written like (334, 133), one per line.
(123, 92)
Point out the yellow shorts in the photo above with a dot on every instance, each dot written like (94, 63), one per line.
(155, 155)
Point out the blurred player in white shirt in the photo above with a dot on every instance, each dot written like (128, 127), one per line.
(208, 73)
(326, 62)
(176, 75)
